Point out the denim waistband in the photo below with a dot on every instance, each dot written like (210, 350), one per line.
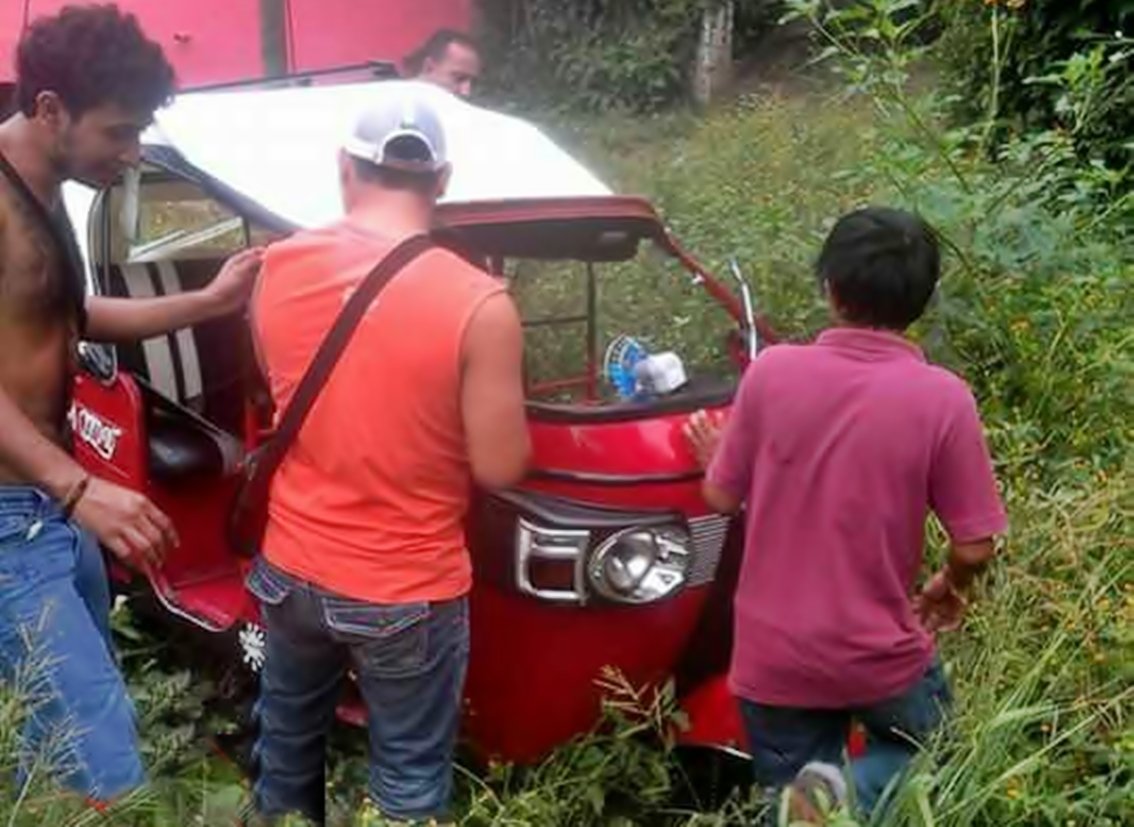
(16, 498)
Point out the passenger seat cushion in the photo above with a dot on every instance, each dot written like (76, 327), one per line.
(184, 446)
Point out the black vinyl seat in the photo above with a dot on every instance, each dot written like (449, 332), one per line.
(192, 385)
(184, 446)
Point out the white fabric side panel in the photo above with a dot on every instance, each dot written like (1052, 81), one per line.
(186, 344)
(78, 199)
(159, 358)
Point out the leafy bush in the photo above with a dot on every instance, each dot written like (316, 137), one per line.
(597, 55)
(1047, 63)
(591, 54)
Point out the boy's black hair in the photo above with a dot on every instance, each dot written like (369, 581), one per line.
(881, 266)
(90, 56)
(435, 48)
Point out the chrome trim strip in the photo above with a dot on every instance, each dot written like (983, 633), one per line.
(528, 549)
(171, 607)
(595, 478)
(708, 535)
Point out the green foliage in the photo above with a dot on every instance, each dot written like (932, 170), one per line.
(188, 786)
(591, 55)
(598, 55)
(1047, 64)
(1034, 310)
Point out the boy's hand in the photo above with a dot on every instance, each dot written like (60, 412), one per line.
(703, 430)
(940, 606)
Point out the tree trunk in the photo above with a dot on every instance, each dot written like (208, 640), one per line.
(713, 69)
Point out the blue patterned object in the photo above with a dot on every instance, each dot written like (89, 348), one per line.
(618, 365)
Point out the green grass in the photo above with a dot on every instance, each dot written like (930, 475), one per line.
(1034, 312)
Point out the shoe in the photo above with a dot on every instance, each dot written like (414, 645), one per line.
(818, 792)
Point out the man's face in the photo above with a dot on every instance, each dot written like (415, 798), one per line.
(97, 146)
(456, 71)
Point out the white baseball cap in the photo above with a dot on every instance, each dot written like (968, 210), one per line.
(401, 131)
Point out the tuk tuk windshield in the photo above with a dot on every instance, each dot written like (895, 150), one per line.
(589, 324)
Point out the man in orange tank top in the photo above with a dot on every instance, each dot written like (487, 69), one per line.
(364, 563)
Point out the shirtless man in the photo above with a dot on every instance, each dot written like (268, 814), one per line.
(88, 85)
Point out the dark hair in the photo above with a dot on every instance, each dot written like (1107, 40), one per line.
(90, 56)
(435, 48)
(7, 100)
(881, 266)
(391, 178)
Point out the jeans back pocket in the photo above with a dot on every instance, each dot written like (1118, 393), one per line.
(268, 584)
(385, 640)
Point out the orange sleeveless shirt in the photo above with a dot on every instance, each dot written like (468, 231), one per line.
(370, 502)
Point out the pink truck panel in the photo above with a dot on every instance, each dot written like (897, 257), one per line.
(213, 41)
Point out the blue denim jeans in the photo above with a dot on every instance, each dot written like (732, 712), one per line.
(409, 662)
(56, 650)
(784, 739)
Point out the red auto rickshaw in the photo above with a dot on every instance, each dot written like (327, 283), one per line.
(606, 556)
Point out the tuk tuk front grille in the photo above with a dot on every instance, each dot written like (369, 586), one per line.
(708, 536)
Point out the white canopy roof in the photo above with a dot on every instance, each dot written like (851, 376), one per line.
(279, 147)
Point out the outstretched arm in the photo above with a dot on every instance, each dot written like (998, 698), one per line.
(119, 320)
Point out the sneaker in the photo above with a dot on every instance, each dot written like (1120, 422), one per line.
(818, 792)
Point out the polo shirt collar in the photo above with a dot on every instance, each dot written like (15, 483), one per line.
(870, 343)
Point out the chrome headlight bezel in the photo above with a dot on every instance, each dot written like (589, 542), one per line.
(641, 564)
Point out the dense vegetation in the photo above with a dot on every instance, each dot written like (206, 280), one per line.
(1034, 311)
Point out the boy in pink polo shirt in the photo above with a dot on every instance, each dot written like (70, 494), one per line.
(838, 450)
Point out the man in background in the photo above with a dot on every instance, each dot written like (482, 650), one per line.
(447, 59)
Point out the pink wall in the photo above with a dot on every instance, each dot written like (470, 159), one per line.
(11, 19)
(330, 32)
(211, 41)
(206, 40)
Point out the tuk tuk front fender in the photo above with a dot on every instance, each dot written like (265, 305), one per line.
(713, 720)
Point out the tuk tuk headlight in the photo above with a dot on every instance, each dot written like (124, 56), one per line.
(640, 565)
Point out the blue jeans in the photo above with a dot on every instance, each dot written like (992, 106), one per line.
(784, 739)
(56, 650)
(409, 662)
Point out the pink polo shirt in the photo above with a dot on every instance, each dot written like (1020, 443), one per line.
(839, 450)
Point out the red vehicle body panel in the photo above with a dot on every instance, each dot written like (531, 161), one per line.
(537, 665)
(214, 41)
(539, 670)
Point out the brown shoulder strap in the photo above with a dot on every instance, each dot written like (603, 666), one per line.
(332, 348)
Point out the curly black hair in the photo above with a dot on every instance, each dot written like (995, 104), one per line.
(90, 56)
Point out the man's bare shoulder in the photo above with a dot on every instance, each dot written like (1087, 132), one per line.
(443, 258)
(494, 330)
